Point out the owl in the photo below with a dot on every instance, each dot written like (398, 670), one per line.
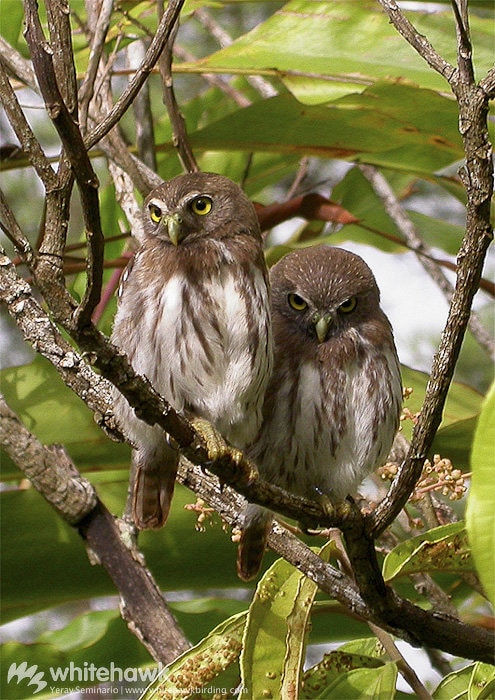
(332, 406)
(193, 317)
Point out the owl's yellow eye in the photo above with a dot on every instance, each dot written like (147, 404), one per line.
(297, 302)
(201, 205)
(348, 305)
(155, 213)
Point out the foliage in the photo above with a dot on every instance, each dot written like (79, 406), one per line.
(336, 88)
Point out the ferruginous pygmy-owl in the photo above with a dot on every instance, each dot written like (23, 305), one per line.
(332, 407)
(193, 317)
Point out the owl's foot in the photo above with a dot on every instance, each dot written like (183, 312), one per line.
(227, 462)
(335, 509)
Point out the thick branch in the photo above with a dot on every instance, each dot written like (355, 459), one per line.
(52, 473)
(49, 469)
(387, 610)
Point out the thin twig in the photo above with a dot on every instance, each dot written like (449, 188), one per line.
(29, 143)
(17, 64)
(156, 47)
(417, 40)
(99, 33)
(143, 117)
(68, 130)
(13, 231)
(464, 48)
(424, 254)
(179, 130)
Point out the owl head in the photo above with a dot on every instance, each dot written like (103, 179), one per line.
(322, 292)
(193, 206)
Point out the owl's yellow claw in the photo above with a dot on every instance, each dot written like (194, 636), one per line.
(227, 462)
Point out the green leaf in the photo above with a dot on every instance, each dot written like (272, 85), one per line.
(463, 402)
(332, 666)
(11, 29)
(388, 125)
(363, 683)
(369, 647)
(202, 664)
(56, 415)
(455, 442)
(473, 682)
(480, 515)
(276, 631)
(443, 548)
(482, 683)
(351, 45)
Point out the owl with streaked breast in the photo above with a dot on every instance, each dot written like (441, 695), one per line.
(193, 317)
(332, 406)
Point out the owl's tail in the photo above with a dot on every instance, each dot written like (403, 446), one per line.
(152, 488)
(256, 526)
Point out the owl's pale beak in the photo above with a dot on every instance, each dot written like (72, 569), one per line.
(173, 222)
(321, 326)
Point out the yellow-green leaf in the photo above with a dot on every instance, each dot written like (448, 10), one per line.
(199, 666)
(275, 636)
(443, 548)
(480, 514)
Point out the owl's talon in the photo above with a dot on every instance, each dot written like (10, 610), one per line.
(222, 455)
(328, 504)
(215, 445)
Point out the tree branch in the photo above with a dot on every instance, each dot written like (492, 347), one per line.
(53, 474)
(167, 22)
(13, 231)
(49, 469)
(68, 130)
(97, 44)
(417, 41)
(143, 117)
(179, 130)
(423, 252)
(477, 177)
(17, 65)
(374, 602)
